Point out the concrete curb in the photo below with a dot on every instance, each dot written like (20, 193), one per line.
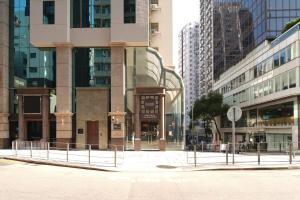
(58, 164)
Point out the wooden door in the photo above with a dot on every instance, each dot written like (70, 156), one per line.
(93, 133)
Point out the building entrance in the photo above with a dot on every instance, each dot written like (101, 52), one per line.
(149, 136)
(34, 130)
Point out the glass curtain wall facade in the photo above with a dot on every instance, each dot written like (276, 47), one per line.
(30, 67)
(144, 69)
(254, 21)
(90, 13)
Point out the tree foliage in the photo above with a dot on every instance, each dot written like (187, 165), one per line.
(209, 107)
(290, 24)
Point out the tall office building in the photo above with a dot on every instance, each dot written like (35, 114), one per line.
(188, 55)
(97, 72)
(230, 29)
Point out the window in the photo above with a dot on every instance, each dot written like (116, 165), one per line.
(33, 69)
(90, 14)
(154, 27)
(32, 55)
(292, 78)
(285, 84)
(49, 12)
(283, 57)
(129, 12)
(276, 60)
(277, 84)
(271, 86)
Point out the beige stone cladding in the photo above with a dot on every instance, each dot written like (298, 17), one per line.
(92, 104)
(4, 66)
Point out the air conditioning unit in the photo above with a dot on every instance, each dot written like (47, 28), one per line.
(154, 6)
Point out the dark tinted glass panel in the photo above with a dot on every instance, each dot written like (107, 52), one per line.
(129, 11)
(49, 12)
(32, 104)
(92, 67)
(92, 13)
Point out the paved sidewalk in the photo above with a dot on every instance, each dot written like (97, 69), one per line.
(134, 161)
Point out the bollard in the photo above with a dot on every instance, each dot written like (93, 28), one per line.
(290, 153)
(90, 154)
(195, 155)
(227, 147)
(68, 147)
(258, 153)
(30, 149)
(115, 157)
(280, 147)
(48, 148)
(202, 145)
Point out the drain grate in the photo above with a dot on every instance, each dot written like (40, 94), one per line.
(166, 166)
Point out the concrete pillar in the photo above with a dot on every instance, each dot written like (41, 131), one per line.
(118, 89)
(21, 126)
(64, 93)
(4, 74)
(162, 132)
(137, 124)
(45, 117)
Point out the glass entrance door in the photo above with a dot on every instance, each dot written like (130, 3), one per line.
(149, 136)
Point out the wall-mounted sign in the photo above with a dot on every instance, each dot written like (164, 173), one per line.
(117, 134)
(80, 131)
(117, 126)
(149, 116)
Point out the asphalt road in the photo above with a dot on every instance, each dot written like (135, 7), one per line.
(21, 181)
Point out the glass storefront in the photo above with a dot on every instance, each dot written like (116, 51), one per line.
(144, 69)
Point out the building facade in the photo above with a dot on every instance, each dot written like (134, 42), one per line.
(188, 55)
(84, 72)
(266, 85)
(230, 29)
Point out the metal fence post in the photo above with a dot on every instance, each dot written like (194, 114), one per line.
(30, 149)
(68, 147)
(195, 155)
(290, 153)
(258, 153)
(90, 154)
(115, 157)
(202, 146)
(227, 146)
(16, 148)
(48, 150)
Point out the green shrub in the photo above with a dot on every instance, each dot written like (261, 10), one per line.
(290, 24)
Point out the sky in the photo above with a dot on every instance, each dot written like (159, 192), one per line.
(183, 13)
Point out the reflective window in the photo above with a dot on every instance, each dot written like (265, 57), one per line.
(284, 81)
(48, 12)
(283, 57)
(129, 11)
(30, 66)
(292, 78)
(91, 14)
(276, 60)
(92, 67)
(277, 84)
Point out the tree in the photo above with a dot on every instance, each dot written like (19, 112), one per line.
(209, 107)
(290, 24)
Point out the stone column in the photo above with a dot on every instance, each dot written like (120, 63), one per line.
(162, 134)
(4, 74)
(117, 88)
(45, 117)
(64, 93)
(137, 124)
(21, 127)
